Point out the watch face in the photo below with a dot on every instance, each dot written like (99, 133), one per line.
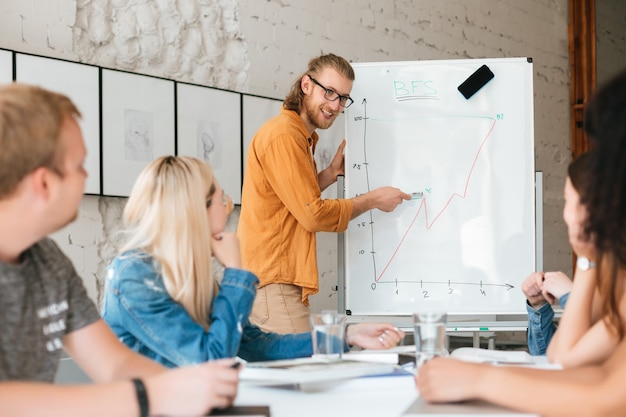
(584, 264)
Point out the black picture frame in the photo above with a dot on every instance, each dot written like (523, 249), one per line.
(81, 83)
(209, 128)
(138, 126)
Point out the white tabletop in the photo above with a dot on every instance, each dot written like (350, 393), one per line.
(363, 397)
(384, 396)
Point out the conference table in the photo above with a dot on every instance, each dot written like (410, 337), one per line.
(379, 396)
(376, 396)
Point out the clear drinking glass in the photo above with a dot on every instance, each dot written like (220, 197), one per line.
(430, 335)
(328, 334)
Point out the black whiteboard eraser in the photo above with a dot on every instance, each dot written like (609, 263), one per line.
(476, 81)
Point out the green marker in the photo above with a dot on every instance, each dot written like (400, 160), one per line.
(483, 328)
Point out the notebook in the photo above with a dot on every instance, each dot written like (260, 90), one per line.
(396, 355)
(309, 370)
(492, 356)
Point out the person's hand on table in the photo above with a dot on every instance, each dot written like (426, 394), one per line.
(373, 335)
(447, 380)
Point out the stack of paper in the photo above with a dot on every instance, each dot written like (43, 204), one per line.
(395, 355)
(307, 370)
(492, 356)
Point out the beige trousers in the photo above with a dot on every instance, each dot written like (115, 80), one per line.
(278, 308)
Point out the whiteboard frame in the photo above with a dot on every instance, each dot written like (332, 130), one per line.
(511, 317)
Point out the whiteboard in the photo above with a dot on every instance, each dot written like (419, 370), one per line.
(467, 240)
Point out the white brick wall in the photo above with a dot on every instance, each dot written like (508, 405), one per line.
(192, 40)
(38, 26)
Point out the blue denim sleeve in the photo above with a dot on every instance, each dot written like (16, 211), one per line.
(257, 345)
(231, 309)
(162, 329)
(540, 328)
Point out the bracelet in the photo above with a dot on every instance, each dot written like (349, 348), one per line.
(142, 397)
(345, 337)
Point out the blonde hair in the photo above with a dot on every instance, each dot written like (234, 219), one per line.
(166, 218)
(31, 119)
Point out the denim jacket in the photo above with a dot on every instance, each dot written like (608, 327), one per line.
(541, 328)
(142, 314)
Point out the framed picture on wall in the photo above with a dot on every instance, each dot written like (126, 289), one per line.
(256, 111)
(6, 66)
(81, 83)
(137, 126)
(209, 128)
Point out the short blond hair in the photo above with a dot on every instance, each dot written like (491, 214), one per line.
(30, 126)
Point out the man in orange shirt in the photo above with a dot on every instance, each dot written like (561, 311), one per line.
(282, 208)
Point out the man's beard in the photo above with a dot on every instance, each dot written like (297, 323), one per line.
(315, 118)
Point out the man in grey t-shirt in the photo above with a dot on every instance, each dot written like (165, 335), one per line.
(43, 304)
(42, 298)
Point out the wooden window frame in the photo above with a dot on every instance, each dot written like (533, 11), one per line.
(582, 51)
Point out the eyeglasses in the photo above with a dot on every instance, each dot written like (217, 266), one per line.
(332, 95)
(227, 201)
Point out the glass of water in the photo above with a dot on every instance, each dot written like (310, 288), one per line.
(328, 334)
(430, 335)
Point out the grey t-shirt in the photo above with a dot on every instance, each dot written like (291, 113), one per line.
(41, 300)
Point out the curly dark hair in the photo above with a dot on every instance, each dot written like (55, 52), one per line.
(578, 173)
(605, 192)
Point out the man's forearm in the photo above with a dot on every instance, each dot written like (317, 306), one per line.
(361, 204)
(325, 178)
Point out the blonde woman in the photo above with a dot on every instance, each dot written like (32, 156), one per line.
(162, 298)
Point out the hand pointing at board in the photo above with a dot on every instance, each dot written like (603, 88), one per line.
(384, 198)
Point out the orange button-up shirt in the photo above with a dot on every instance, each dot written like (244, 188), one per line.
(282, 208)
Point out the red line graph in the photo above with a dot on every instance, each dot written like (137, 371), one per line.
(423, 204)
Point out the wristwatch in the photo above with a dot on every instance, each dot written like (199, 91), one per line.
(584, 264)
